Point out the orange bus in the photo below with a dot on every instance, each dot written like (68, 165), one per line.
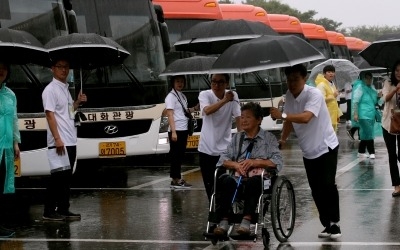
(286, 25)
(338, 45)
(316, 35)
(355, 45)
(263, 87)
(244, 11)
(181, 15)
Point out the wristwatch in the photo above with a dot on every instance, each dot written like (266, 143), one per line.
(284, 116)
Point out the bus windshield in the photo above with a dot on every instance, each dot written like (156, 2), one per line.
(44, 19)
(133, 25)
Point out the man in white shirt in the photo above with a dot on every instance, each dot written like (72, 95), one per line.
(306, 115)
(218, 105)
(61, 142)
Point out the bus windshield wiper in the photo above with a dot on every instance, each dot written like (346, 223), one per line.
(31, 76)
(132, 77)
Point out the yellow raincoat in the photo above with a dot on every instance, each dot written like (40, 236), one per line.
(328, 91)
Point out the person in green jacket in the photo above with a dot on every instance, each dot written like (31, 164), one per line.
(364, 99)
(9, 139)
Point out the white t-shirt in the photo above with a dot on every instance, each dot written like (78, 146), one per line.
(56, 98)
(172, 102)
(216, 129)
(317, 135)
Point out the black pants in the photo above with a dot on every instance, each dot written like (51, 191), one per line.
(394, 155)
(249, 190)
(207, 166)
(58, 188)
(348, 110)
(177, 153)
(321, 174)
(366, 144)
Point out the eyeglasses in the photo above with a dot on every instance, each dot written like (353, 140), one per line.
(61, 67)
(220, 82)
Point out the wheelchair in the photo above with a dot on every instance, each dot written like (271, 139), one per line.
(276, 207)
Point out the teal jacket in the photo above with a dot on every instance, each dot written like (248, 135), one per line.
(364, 97)
(9, 133)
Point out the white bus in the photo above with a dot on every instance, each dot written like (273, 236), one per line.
(125, 103)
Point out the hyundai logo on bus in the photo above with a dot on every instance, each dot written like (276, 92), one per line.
(111, 129)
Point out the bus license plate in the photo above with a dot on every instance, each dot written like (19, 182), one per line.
(193, 141)
(112, 149)
(17, 167)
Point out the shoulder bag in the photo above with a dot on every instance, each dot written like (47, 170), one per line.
(395, 119)
(191, 120)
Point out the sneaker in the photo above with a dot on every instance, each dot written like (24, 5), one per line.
(220, 231)
(70, 216)
(335, 231)
(243, 230)
(325, 234)
(372, 156)
(362, 155)
(53, 217)
(6, 233)
(180, 184)
(350, 135)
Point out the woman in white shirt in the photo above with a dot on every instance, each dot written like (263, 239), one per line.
(177, 112)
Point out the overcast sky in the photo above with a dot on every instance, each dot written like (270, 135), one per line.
(351, 12)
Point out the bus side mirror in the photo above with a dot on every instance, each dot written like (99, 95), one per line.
(67, 4)
(164, 37)
(72, 23)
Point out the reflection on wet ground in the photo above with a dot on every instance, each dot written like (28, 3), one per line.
(129, 205)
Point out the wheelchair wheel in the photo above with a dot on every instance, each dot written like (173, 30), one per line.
(283, 208)
(265, 237)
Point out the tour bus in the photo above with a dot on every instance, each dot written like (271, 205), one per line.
(125, 103)
(180, 15)
(286, 25)
(244, 11)
(338, 45)
(264, 87)
(355, 46)
(316, 35)
(44, 19)
(128, 101)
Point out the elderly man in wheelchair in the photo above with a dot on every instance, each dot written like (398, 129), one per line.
(250, 153)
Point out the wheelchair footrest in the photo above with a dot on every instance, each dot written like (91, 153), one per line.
(251, 236)
(212, 236)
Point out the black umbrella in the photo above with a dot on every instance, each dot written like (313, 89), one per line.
(382, 53)
(213, 37)
(265, 52)
(21, 47)
(190, 66)
(86, 51)
(365, 66)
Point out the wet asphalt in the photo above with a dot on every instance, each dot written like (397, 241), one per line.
(128, 204)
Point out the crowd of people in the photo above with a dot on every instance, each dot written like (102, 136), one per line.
(312, 113)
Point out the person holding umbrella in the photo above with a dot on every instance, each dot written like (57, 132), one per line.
(248, 154)
(218, 105)
(391, 93)
(61, 141)
(328, 89)
(9, 139)
(306, 115)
